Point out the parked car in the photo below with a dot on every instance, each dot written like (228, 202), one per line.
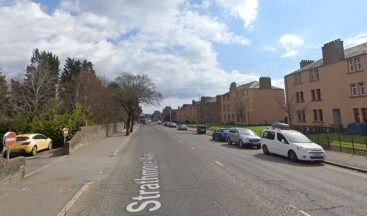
(201, 129)
(244, 137)
(220, 134)
(291, 144)
(30, 144)
(172, 125)
(182, 127)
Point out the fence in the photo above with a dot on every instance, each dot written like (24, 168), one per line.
(331, 139)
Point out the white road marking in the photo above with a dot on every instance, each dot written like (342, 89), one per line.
(221, 207)
(192, 148)
(44, 167)
(300, 211)
(122, 144)
(180, 141)
(70, 204)
(217, 162)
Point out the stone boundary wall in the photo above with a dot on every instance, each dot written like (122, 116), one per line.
(91, 134)
(12, 170)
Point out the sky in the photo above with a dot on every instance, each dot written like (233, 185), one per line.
(189, 48)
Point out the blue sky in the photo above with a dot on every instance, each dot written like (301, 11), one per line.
(189, 48)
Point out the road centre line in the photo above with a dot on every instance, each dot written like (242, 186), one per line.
(300, 211)
(44, 167)
(73, 200)
(217, 162)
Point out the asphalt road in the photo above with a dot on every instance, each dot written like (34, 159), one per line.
(198, 176)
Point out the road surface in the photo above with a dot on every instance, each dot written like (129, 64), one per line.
(189, 174)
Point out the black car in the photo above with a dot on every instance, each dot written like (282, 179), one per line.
(201, 129)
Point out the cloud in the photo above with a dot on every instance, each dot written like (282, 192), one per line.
(356, 40)
(167, 40)
(270, 48)
(244, 9)
(290, 43)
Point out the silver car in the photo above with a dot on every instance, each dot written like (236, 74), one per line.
(244, 137)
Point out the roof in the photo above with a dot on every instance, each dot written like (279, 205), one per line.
(254, 85)
(348, 53)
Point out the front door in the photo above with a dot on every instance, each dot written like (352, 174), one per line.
(337, 119)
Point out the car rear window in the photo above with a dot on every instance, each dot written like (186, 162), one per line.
(19, 139)
(269, 135)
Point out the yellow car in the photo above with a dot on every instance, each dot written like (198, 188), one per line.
(30, 144)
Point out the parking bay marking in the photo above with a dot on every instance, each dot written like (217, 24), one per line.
(44, 167)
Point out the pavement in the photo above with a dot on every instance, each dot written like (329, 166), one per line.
(189, 174)
(51, 182)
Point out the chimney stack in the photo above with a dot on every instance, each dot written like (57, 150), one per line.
(333, 52)
(305, 62)
(265, 82)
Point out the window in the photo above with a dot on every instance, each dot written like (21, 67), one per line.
(224, 118)
(356, 115)
(297, 78)
(280, 137)
(299, 97)
(321, 115)
(358, 63)
(271, 135)
(318, 94)
(351, 65)
(362, 88)
(364, 114)
(315, 116)
(314, 74)
(354, 90)
(301, 115)
(265, 134)
(229, 117)
(224, 107)
(313, 94)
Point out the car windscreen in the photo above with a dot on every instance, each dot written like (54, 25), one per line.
(246, 132)
(225, 130)
(23, 138)
(296, 137)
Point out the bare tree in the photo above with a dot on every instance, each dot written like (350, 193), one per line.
(289, 106)
(242, 106)
(134, 91)
(33, 93)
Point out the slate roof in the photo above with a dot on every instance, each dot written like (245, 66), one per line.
(348, 53)
(253, 85)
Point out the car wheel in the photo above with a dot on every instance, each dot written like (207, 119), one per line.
(241, 144)
(50, 145)
(213, 137)
(292, 156)
(229, 142)
(34, 151)
(265, 150)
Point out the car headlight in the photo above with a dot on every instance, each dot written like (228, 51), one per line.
(301, 148)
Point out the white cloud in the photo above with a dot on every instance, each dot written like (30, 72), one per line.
(356, 40)
(270, 48)
(244, 9)
(171, 43)
(290, 43)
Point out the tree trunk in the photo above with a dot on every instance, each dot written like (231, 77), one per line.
(128, 125)
(132, 123)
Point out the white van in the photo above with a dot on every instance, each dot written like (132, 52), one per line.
(291, 144)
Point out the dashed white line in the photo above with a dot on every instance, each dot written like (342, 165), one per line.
(219, 163)
(180, 141)
(44, 167)
(192, 148)
(300, 211)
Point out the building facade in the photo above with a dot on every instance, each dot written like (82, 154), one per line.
(187, 113)
(330, 91)
(209, 110)
(254, 103)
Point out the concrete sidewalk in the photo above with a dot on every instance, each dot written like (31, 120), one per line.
(357, 161)
(46, 190)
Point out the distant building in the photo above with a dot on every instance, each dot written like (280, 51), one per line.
(330, 91)
(156, 115)
(169, 114)
(187, 113)
(254, 103)
(209, 110)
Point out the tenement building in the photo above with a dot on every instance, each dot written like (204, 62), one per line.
(187, 113)
(330, 91)
(254, 103)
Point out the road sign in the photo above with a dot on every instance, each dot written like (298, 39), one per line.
(9, 139)
(65, 131)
